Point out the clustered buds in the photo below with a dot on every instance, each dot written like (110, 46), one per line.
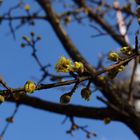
(86, 93)
(115, 57)
(126, 50)
(29, 87)
(30, 41)
(65, 65)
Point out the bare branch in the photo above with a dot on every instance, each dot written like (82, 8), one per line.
(69, 110)
(93, 15)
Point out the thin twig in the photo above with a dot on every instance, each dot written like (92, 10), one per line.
(8, 123)
(4, 84)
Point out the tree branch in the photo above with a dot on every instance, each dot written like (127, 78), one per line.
(74, 53)
(65, 40)
(104, 87)
(69, 110)
(93, 15)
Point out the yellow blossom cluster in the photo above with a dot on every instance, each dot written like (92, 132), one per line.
(65, 65)
(116, 57)
(126, 50)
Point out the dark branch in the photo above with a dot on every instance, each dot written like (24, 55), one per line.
(69, 110)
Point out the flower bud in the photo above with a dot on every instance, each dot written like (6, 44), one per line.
(2, 99)
(39, 37)
(78, 67)
(65, 98)
(67, 20)
(26, 38)
(86, 93)
(74, 127)
(27, 7)
(29, 87)
(10, 120)
(107, 120)
(23, 45)
(126, 50)
(32, 33)
(113, 56)
(120, 68)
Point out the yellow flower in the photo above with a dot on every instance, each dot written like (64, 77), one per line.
(126, 50)
(27, 7)
(113, 56)
(29, 87)
(63, 65)
(78, 67)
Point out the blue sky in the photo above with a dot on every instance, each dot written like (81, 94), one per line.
(17, 66)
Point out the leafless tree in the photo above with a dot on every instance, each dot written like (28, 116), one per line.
(106, 19)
